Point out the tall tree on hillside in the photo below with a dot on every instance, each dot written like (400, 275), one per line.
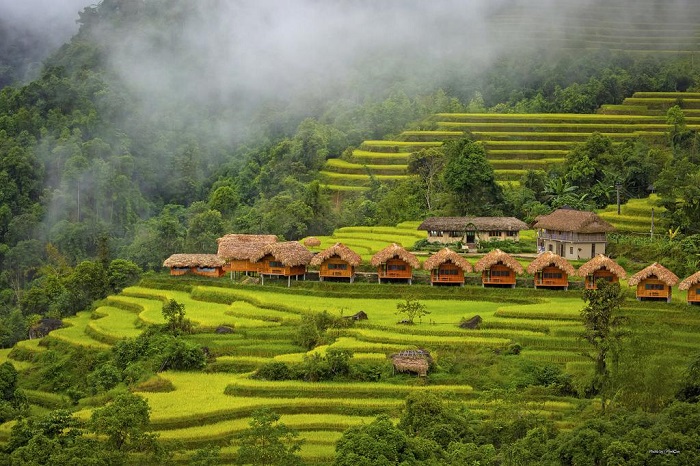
(602, 330)
(470, 178)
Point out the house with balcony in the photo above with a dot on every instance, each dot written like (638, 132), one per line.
(572, 234)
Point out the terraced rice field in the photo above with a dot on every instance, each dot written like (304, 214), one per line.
(636, 216)
(367, 241)
(215, 405)
(514, 143)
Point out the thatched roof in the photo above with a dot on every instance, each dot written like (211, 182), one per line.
(690, 281)
(447, 255)
(194, 260)
(599, 262)
(312, 242)
(417, 361)
(289, 253)
(340, 250)
(242, 247)
(573, 220)
(496, 256)
(472, 224)
(654, 270)
(549, 258)
(394, 250)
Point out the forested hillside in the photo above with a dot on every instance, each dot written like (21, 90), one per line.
(162, 125)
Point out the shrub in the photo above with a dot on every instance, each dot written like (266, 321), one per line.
(275, 370)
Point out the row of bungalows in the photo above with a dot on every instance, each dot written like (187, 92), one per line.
(267, 257)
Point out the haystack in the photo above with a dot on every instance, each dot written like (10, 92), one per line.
(312, 242)
(447, 255)
(498, 257)
(550, 259)
(654, 270)
(601, 262)
(341, 251)
(394, 250)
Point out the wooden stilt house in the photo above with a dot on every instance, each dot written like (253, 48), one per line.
(288, 259)
(692, 285)
(394, 263)
(237, 250)
(207, 265)
(498, 269)
(600, 267)
(337, 262)
(551, 271)
(447, 268)
(654, 282)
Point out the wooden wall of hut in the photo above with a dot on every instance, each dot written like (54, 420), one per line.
(498, 274)
(395, 268)
(653, 288)
(694, 294)
(208, 271)
(180, 270)
(600, 274)
(241, 265)
(447, 273)
(336, 267)
(553, 277)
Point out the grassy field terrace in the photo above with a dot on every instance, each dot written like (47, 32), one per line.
(515, 143)
(214, 406)
(635, 216)
(650, 28)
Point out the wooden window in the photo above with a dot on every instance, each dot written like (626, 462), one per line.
(448, 271)
(494, 233)
(571, 250)
(500, 273)
(337, 266)
(396, 267)
(551, 275)
(276, 264)
(206, 269)
(511, 233)
(654, 286)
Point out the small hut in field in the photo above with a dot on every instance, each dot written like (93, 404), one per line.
(238, 249)
(288, 259)
(692, 284)
(447, 268)
(601, 267)
(207, 265)
(312, 242)
(416, 361)
(395, 263)
(338, 261)
(551, 271)
(654, 282)
(498, 269)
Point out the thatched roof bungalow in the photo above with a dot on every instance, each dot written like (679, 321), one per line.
(447, 267)
(286, 259)
(338, 261)
(551, 271)
(692, 285)
(654, 282)
(471, 230)
(238, 249)
(394, 263)
(601, 267)
(498, 268)
(573, 234)
(208, 265)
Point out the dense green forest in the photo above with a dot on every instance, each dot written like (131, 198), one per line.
(102, 179)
